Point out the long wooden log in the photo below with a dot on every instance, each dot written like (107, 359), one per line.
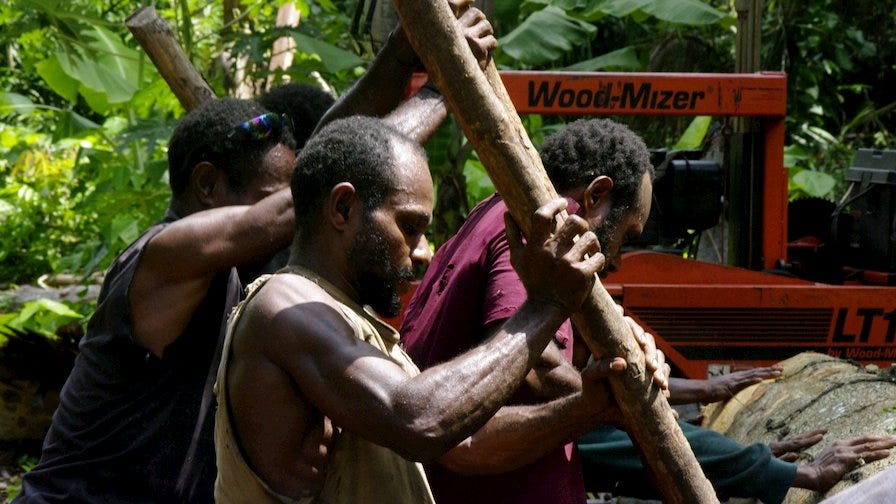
(157, 39)
(815, 391)
(483, 109)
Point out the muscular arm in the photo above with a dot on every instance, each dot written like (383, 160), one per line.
(718, 388)
(368, 394)
(180, 262)
(420, 115)
(519, 435)
(382, 86)
(553, 377)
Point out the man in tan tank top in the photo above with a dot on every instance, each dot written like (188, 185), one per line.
(308, 345)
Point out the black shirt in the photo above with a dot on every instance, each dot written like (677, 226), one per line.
(127, 419)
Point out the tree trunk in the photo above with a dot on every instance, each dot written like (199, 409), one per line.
(484, 111)
(157, 39)
(815, 392)
(284, 47)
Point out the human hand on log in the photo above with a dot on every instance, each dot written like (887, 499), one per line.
(477, 30)
(557, 269)
(475, 26)
(597, 397)
(721, 387)
(595, 389)
(654, 358)
(788, 449)
(841, 457)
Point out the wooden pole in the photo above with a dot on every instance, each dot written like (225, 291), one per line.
(157, 39)
(483, 109)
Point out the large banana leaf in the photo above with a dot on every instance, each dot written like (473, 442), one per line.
(333, 58)
(687, 12)
(15, 103)
(545, 36)
(93, 61)
(620, 59)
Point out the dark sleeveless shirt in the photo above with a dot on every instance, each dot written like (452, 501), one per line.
(131, 427)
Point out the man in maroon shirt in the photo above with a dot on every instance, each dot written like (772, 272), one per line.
(524, 453)
(471, 287)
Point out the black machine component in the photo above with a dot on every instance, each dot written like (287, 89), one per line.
(810, 255)
(687, 199)
(864, 225)
(854, 240)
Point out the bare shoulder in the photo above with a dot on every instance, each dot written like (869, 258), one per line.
(283, 291)
(291, 312)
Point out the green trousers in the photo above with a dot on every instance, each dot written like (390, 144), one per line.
(611, 463)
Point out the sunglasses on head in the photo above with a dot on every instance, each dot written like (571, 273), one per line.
(269, 125)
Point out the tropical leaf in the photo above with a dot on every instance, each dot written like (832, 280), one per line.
(333, 58)
(623, 59)
(96, 79)
(693, 136)
(51, 71)
(479, 185)
(97, 100)
(618, 8)
(14, 103)
(545, 36)
(123, 229)
(689, 12)
(106, 77)
(814, 183)
(119, 62)
(70, 124)
(42, 316)
(795, 154)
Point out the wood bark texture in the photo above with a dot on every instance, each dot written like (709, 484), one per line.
(814, 392)
(482, 107)
(157, 39)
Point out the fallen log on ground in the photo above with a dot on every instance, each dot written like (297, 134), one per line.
(483, 109)
(815, 392)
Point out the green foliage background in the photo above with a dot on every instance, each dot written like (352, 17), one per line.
(84, 116)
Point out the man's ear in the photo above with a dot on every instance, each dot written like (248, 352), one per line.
(598, 198)
(341, 205)
(207, 183)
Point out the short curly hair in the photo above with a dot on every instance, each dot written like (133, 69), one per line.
(359, 150)
(589, 148)
(204, 134)
(303, 103)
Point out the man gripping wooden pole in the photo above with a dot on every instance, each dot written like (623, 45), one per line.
(483, 109)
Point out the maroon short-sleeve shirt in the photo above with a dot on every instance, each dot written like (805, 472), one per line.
(470, 285)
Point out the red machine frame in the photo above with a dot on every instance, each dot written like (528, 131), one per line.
(709, 317)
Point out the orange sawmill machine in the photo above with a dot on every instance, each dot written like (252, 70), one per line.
(807, 275)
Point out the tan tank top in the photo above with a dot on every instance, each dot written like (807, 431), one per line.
(358, 471)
